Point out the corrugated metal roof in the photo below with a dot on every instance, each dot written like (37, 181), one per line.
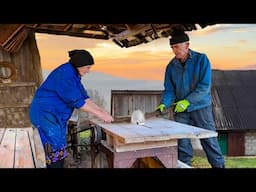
(233, 97)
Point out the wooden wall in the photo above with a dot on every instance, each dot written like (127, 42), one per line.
(16, 95)
(124, 102)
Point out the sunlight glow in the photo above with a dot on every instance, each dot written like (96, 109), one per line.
(228, 46)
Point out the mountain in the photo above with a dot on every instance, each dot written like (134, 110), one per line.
(248, 67)
(103, 83)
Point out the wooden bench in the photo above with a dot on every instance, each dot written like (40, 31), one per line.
(21, 148)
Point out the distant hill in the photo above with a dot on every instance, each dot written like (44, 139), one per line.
(104, 83)
(249, 67)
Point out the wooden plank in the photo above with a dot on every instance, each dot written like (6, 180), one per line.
(131, 133)
(8, 31)
(109, 140)
(179, 130)
(2, 130)
(32, 143)
(14, 106)
(122, 131)
(18, 148)
(154, 129)
(149, 134)
(23, 153)
(67, 27)
(7, 148)
(119, 147)
(19, 84)
(39, 150)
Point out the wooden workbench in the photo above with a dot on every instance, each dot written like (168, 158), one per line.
(157, 137)
(21, 148)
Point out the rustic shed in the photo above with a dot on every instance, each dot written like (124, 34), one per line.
(124, 102)
(234, 110)
(20, 74)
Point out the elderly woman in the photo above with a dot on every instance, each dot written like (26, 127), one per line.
(55, 100)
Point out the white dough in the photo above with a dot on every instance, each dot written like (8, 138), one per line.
(138, 117)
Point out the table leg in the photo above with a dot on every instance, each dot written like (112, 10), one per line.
(167, 155)
(169, 158)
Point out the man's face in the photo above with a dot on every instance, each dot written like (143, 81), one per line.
(84, 69)
(180, 49)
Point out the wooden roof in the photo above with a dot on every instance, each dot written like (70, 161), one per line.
(124, 35)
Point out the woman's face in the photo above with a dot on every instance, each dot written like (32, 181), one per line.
(84, 69)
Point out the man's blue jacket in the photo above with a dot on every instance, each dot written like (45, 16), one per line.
(191, 82)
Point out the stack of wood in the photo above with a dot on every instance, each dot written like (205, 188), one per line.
(21, 148)
(12, 36)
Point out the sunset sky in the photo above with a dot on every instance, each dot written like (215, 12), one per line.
(228, 46)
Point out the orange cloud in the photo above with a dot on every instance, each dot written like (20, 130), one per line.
(132, 69)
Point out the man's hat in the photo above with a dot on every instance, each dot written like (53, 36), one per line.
(178, 37)
(79, 58)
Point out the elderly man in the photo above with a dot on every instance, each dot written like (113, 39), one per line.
(187, 84)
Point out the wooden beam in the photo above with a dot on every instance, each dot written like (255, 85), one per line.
(120, 147)
(67, 27)
(2, 130)
(23, 153)
(7, 148)
(39, 150)
(13, 34)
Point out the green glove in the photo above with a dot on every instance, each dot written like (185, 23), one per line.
(160, 107)
(181, 106)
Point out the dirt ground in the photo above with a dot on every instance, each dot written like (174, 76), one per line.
(82, 159)
(83, 162)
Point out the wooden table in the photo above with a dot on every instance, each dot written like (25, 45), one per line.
(157, 137)
(21, 148)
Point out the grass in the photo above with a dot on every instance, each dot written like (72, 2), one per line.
(230, 162)
(201, 161)
(85, 134)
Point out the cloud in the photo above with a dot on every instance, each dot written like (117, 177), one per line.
(140, 65)
(106, 45)
(65, 42)
(252, 53)
(235, 28)
(249, 67)
(242, 42)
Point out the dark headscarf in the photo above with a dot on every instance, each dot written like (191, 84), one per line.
(178, 37)
(79, 58)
